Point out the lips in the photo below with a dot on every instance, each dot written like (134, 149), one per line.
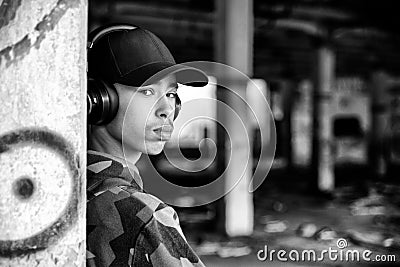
(164, 132)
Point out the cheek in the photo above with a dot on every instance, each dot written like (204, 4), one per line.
(142, 109)
(135, 119)
(134, 124)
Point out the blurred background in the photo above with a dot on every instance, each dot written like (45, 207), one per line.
(330, 71)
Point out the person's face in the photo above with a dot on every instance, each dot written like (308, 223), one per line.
(145, 116)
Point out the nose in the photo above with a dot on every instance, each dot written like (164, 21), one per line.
(165, 107)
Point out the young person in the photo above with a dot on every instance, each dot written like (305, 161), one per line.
(132, 102)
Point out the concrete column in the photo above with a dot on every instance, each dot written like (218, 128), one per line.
(234, 47)
(43, 132)
(324, 81)
(379, 82)
(287, 88)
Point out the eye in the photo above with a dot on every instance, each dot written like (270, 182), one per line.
(147, 92)
(172, 94)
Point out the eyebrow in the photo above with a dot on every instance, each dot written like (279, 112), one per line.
(173, 85)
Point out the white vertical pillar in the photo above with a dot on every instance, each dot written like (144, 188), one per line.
(234, 46)
(43, 132)
(324, 84)
(255, 89)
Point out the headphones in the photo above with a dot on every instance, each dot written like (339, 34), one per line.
(102, 97)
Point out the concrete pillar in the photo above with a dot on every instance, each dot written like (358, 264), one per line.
(43, 132)
(287, 88)
(378, 84)
(234, 47)
(301, 124)
(263, 118)
(324, 81)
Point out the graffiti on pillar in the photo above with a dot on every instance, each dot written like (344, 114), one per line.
(8, 9)
(40, 190)
(16, 51)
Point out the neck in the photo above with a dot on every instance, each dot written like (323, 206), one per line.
(101, 140)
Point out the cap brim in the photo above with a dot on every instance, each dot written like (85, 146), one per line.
(153, 72)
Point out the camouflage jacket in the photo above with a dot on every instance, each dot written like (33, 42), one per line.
(127, 226)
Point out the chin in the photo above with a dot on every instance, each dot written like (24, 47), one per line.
(155, 148)
(152, 153)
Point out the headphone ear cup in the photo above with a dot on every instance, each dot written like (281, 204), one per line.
(102, 102)
(178, 106)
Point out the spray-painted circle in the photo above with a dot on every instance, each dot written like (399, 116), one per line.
(36, 208)
(23, 187)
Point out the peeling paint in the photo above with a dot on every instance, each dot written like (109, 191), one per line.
(8, 9)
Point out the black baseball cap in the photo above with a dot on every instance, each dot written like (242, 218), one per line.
(134, 56)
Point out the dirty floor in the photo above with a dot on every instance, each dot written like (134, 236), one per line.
(363, 213)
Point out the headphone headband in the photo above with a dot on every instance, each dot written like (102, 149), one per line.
(107, 30)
